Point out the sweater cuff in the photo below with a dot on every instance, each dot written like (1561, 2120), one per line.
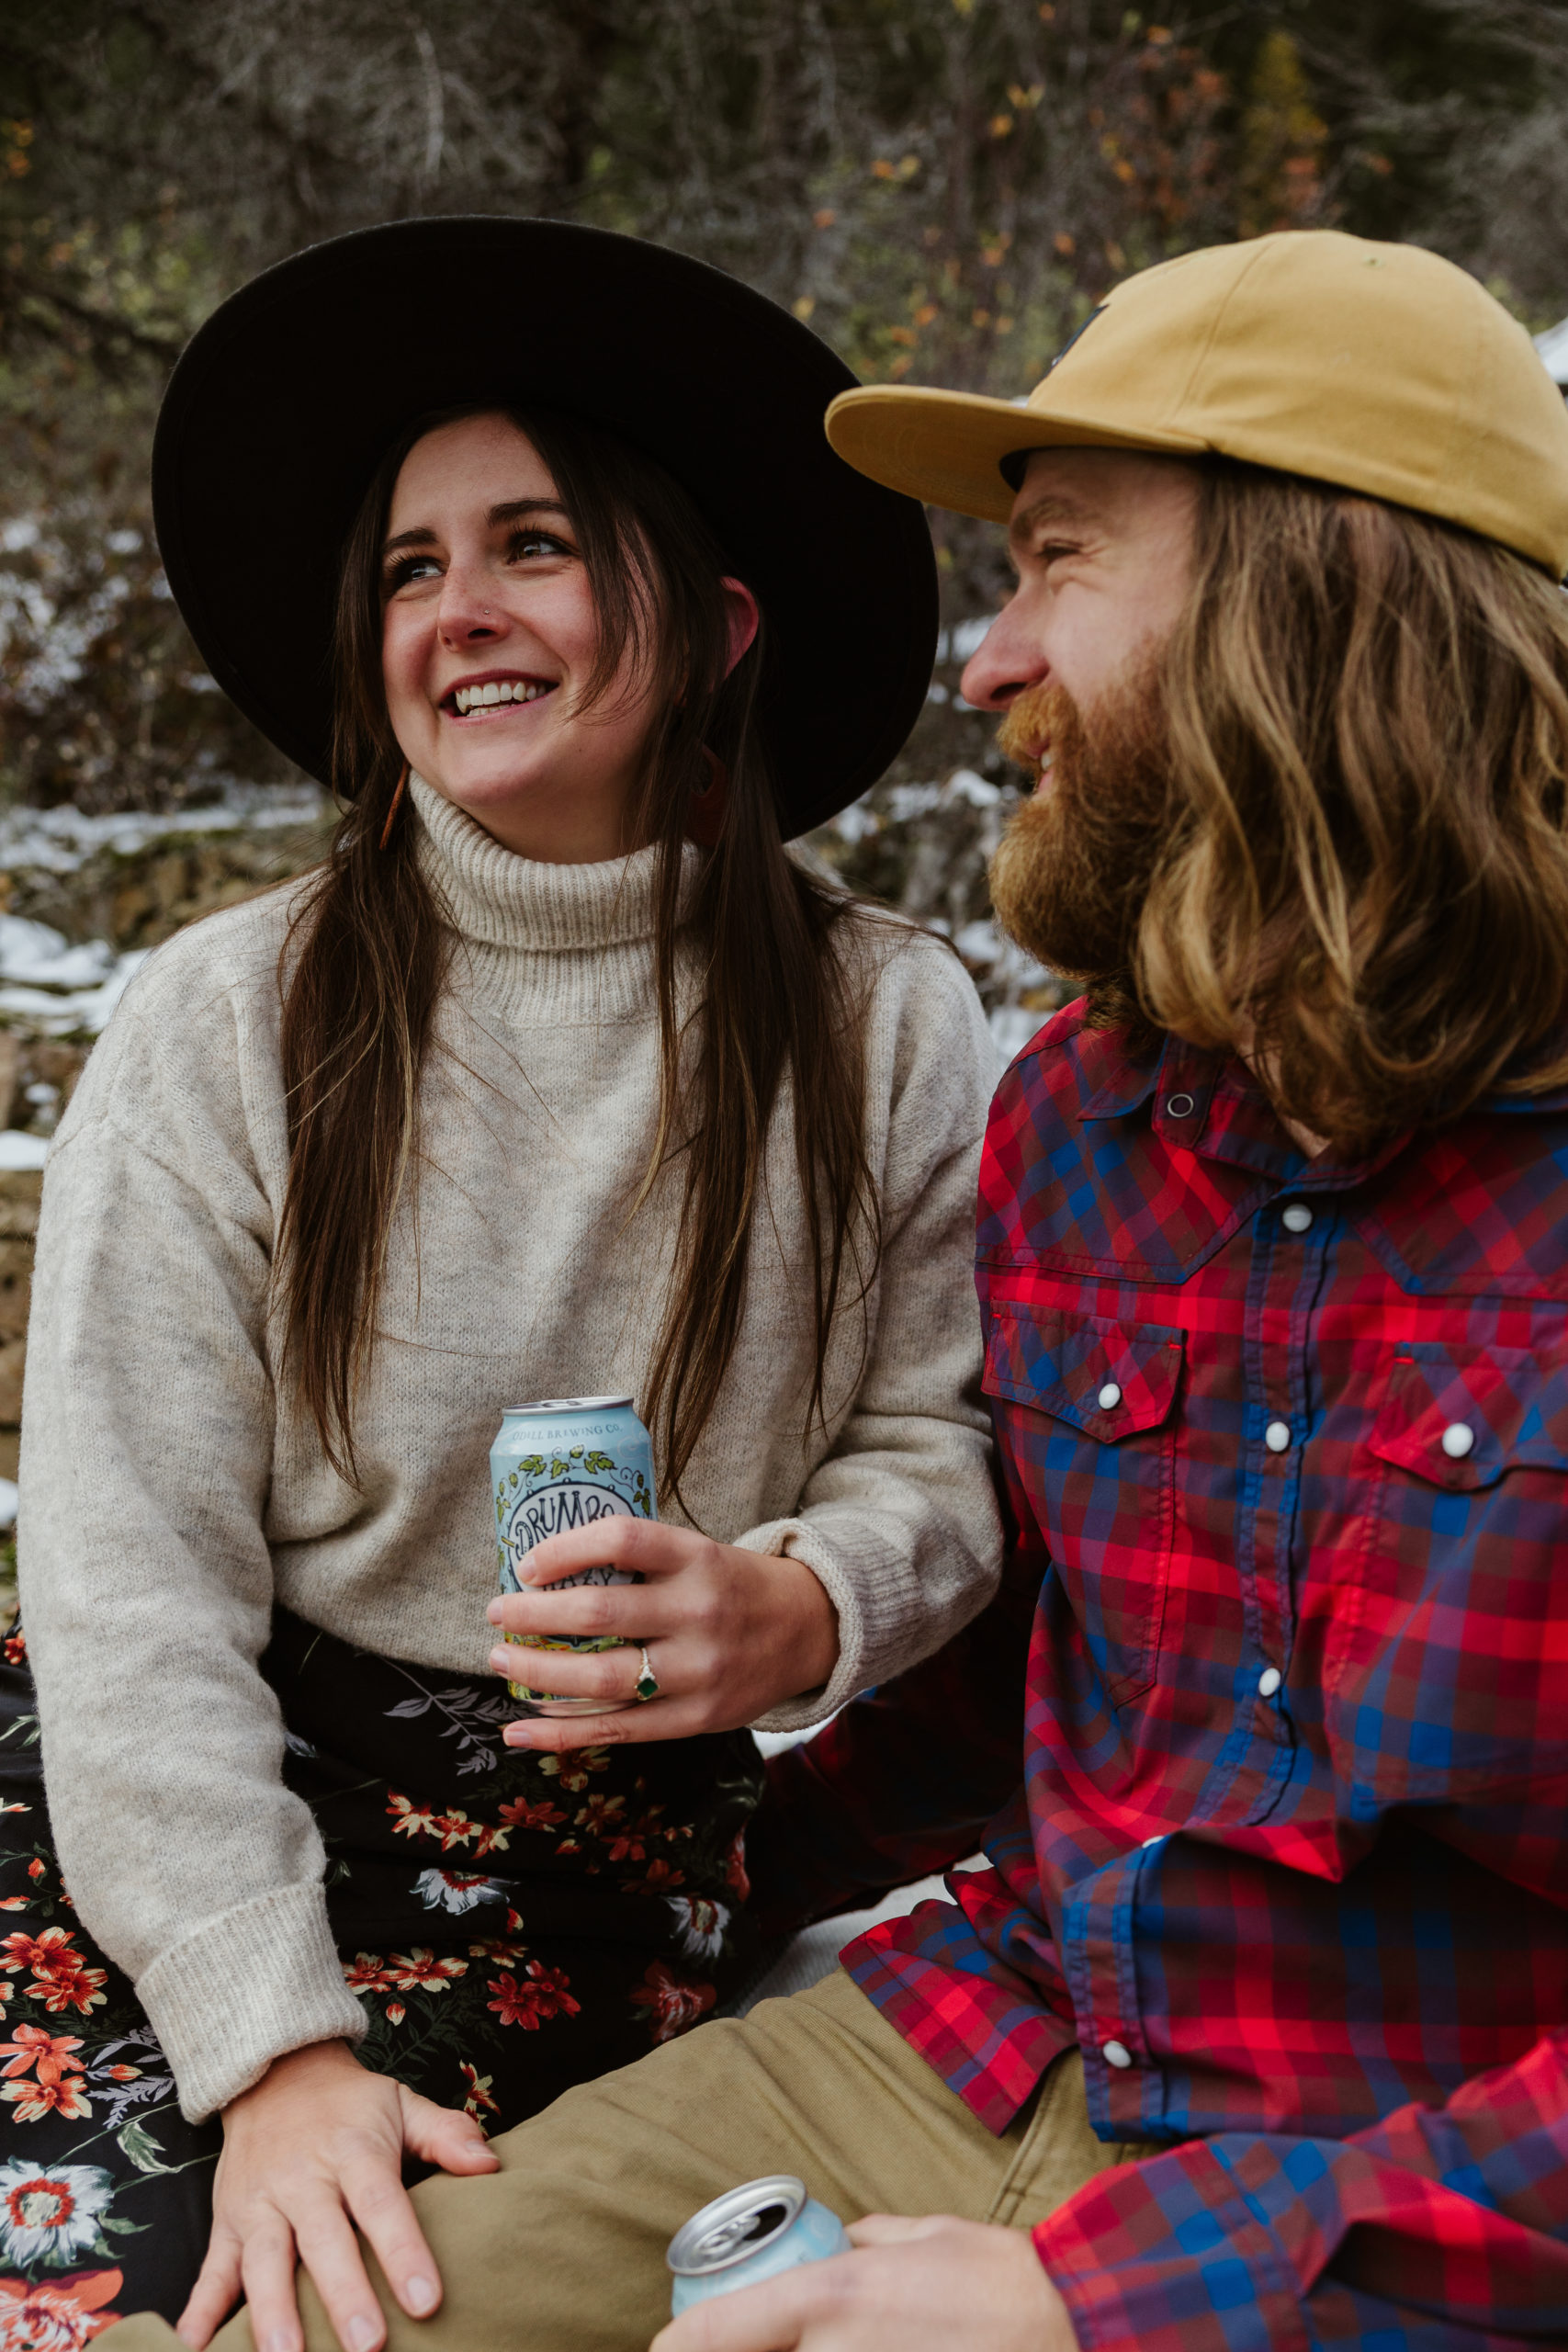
(248, 1985)
(796, 1539)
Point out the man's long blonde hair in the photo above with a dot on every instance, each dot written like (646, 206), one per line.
(1364, 875)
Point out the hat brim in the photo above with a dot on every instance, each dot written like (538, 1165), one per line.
(286, 399)
(947, 447)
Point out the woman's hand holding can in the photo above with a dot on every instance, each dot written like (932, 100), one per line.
(728, 1633)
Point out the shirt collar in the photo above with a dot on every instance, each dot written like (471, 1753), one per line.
(1212, 1105)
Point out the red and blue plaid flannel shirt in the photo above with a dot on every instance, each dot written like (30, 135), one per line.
(1287, 1625)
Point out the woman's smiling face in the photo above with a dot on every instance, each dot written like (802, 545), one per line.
(489, 635)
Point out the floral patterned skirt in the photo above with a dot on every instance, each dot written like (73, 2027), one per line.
(511, 1923)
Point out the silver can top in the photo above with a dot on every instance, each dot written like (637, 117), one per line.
(565, 1404)
(736, 2225)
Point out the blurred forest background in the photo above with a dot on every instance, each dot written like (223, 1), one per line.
(942, 188)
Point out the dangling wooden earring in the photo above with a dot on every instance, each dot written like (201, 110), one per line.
(705, 818)
(397, 804)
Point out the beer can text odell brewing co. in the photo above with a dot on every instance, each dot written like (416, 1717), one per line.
(560, 1464)
(750, 2234)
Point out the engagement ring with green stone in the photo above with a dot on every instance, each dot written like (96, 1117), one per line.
(647, 1681)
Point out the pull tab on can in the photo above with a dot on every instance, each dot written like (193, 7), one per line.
(750, 2234)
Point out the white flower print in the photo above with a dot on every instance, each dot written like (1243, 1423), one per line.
(50, 2212)
(700, 1924)
(457, 1890)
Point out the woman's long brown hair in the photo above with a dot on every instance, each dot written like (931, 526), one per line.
(1364, 876)
(367, 958)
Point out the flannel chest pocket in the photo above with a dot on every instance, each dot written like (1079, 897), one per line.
(1449, 1656)
(1085, 1410)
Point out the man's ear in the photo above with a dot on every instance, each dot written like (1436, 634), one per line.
(742, 617)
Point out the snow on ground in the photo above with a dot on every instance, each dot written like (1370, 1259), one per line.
(51, 988)
(57, 990)
(21, 1150)
(60, 840)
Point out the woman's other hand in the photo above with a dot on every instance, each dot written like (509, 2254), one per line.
(728, 1633)
(314, 2148)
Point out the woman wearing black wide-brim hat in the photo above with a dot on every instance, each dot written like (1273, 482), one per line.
(560, 1077)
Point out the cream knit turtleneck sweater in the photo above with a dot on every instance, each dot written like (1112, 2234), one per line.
(170, 1491)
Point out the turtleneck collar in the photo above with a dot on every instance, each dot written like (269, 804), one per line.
(544, 940)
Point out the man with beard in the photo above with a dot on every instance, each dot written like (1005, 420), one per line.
(1252, 2032)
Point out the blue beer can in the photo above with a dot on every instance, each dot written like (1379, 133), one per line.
(750, 2234)
(565, 1463)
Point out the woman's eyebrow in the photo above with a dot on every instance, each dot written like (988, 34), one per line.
(511, 511)
(515, 508)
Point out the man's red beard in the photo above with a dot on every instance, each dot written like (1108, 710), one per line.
(1072, 870)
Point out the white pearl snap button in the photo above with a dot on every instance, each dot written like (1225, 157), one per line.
(1110, 1398)
(1116, 2054)
(1297, 1219)
(1277, 1436)
(1268, 1681)
(1458, 1439)
(1178, 1106)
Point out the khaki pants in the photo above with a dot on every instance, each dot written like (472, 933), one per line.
(563, 2249)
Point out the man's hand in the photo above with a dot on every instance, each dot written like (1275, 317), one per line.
(315, 2148)
(931, 2286)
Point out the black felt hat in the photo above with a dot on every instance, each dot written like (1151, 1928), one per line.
(288, 398)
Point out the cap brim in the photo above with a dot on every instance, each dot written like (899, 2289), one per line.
(947, 447)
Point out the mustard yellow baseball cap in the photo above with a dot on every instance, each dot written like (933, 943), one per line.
(1382, 368)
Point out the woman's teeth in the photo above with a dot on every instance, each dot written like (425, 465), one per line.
(499, 690)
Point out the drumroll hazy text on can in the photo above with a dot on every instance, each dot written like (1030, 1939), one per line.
(562, 1463)
(750, 2234)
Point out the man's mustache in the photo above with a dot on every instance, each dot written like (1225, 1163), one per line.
(1038, 718)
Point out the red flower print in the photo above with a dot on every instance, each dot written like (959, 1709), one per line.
(13, 1903)
(550, 1984)
(542, 1994)
(16, 1809)
(60, 2315)
(598, 1815)
(574, 1764)
(33, 2101)
(410, 1820)
(479, 2092)
(521, 1814)
(396, 2013)
(734, 1867)
(365, 1974)
(673, 2005)
(35, 1868)
(517, 2004)
(658, 1877)
(490, 1840)
(497, 1952)
(46, 1955)
(16, 1648)
(419, 1972)
(81, 1989)
(49, 2053)
(628, 1846)
(569, 1845)
(455, 1828)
